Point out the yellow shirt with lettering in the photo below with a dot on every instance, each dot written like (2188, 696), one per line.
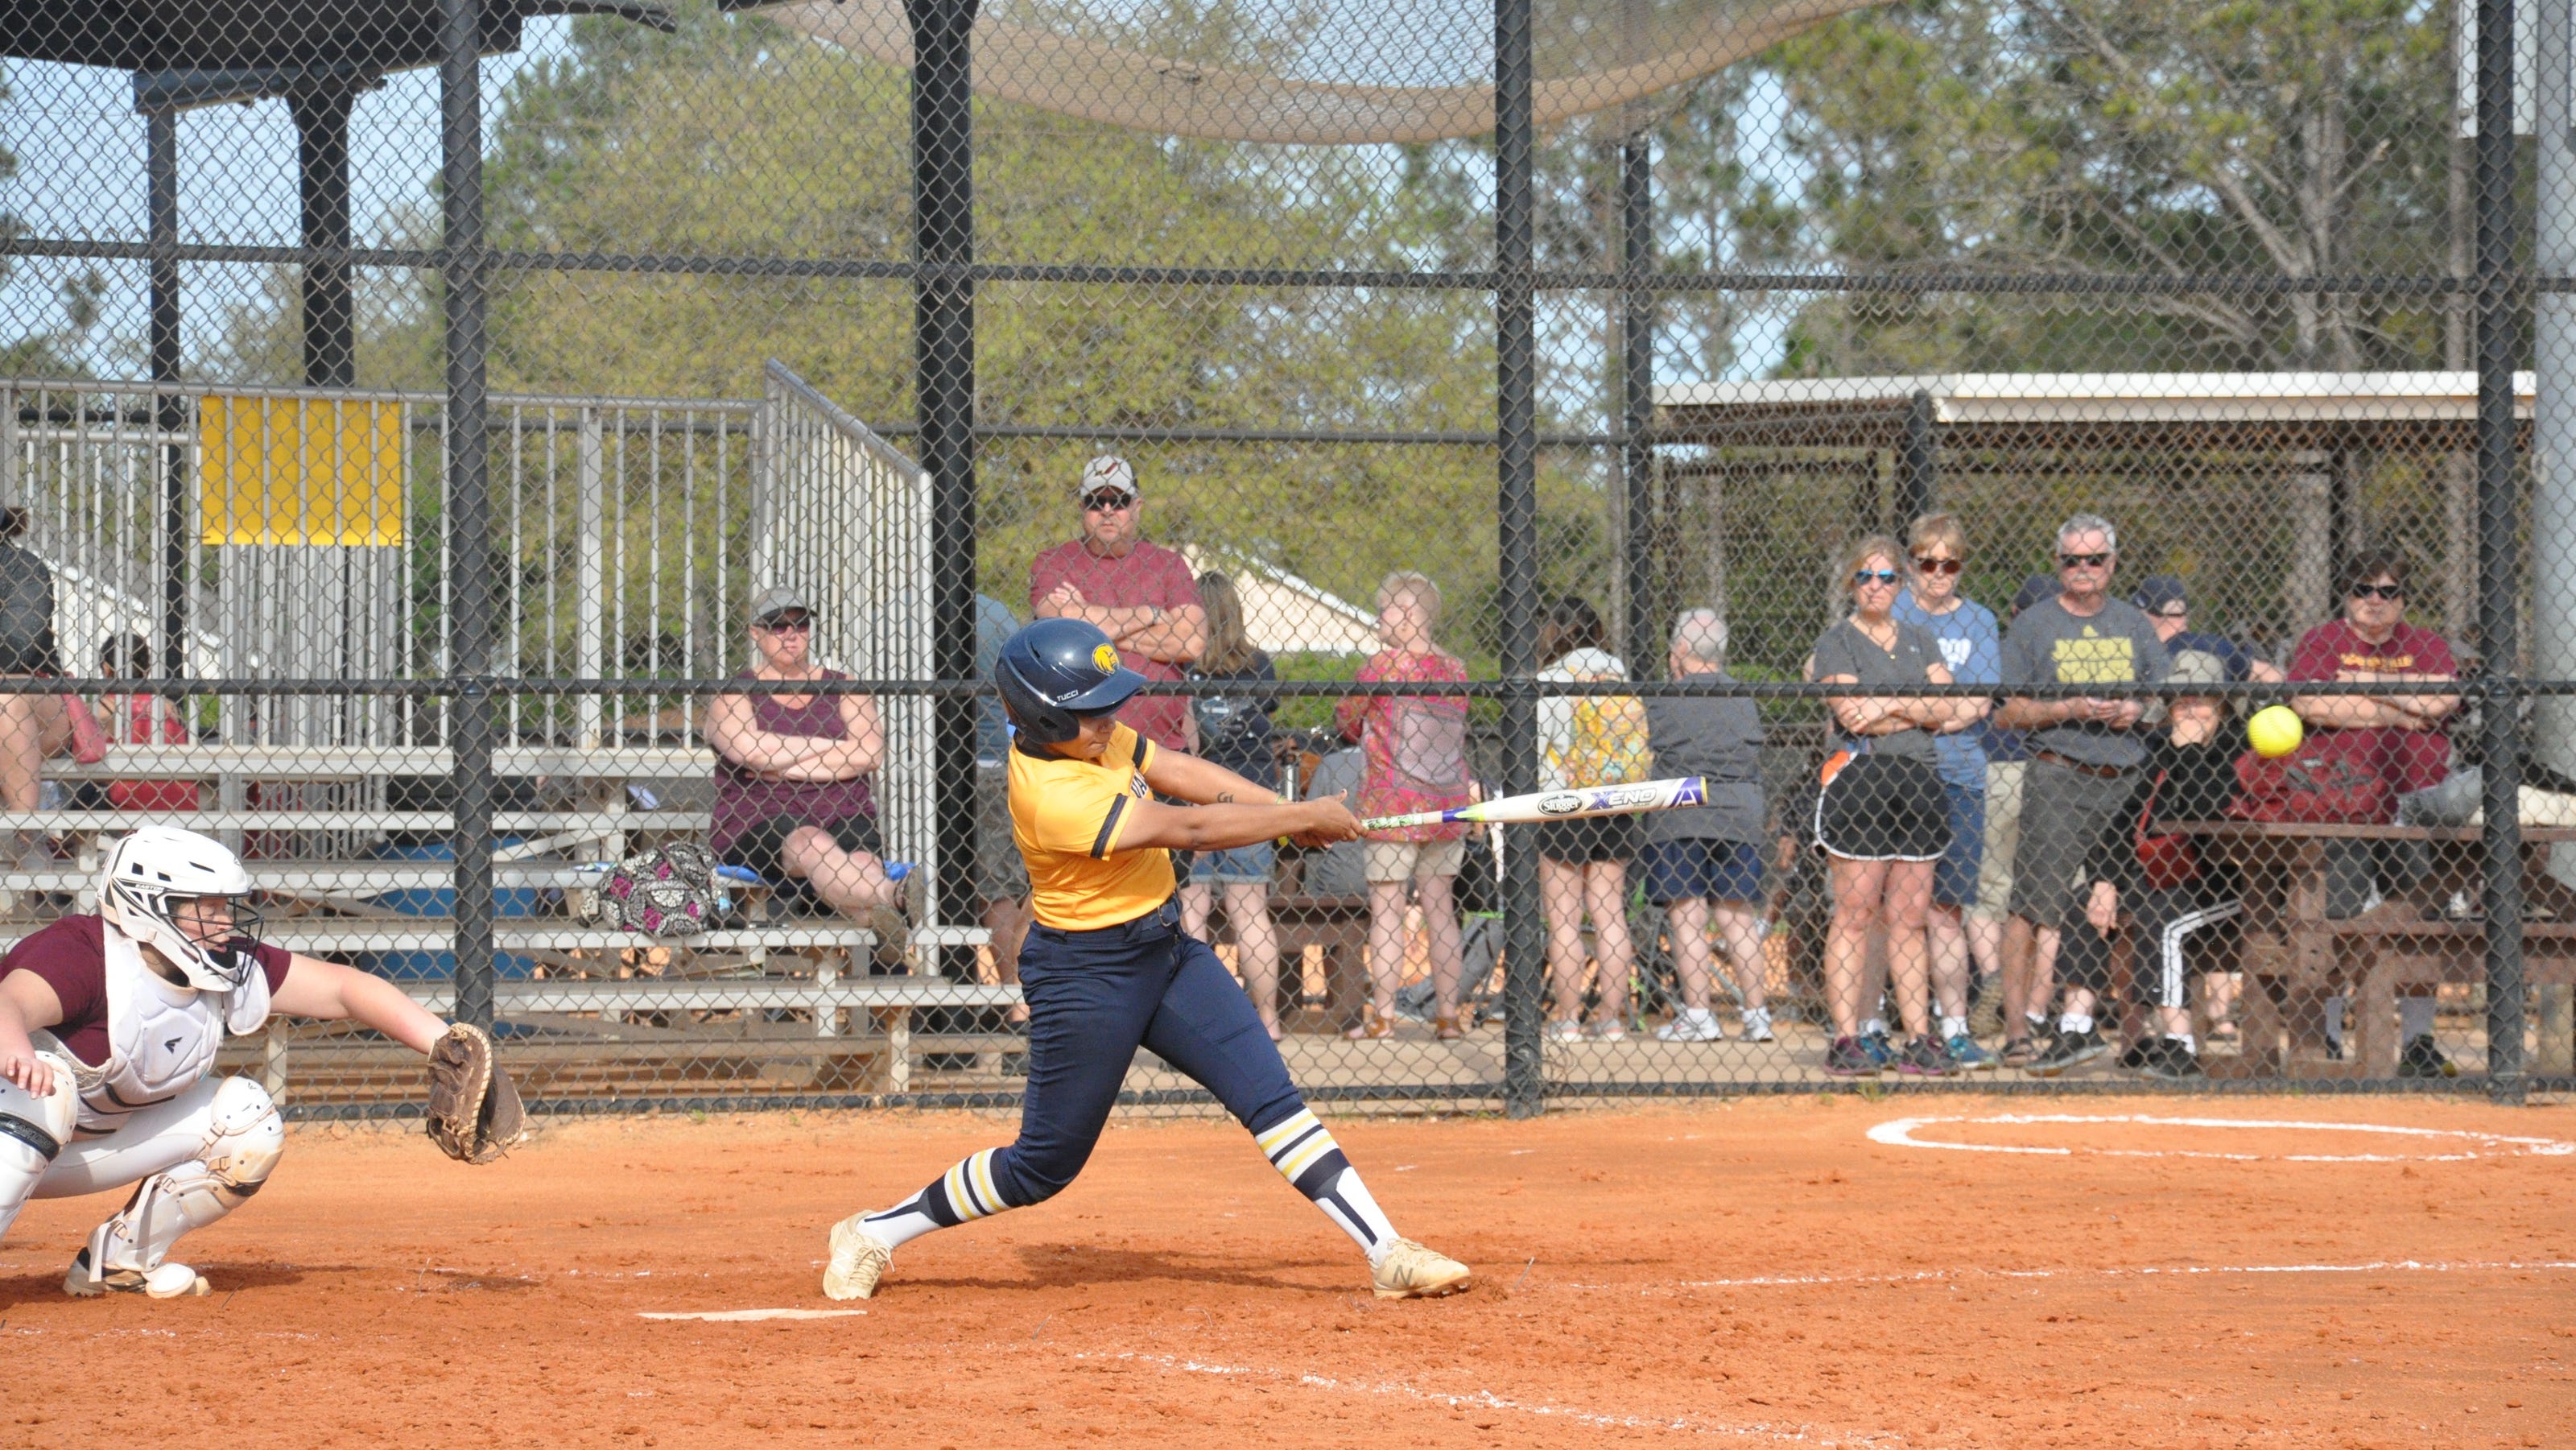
(1067, 816)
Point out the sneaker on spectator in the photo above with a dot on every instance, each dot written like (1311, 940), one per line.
(2139, 1053)
(1925, 1057)
(1607, 1029)
(1692, 1024)
(1880, 1050)
(2422, 1057)
(1969, 1056)
(2071, 1049)
(2172, 1062)
(1565, 1031)
(1986, 1014)
(1848, 1058)
(1757, 1025)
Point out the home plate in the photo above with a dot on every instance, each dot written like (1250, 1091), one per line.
(746, 1316)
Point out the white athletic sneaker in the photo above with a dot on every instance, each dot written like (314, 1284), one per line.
(1692, 1024)
(1409, 1271)
(170, 1281)
(1757, 1026)
(1568, 1031)
(857, 1262)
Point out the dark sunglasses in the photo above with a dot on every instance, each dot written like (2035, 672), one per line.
(2179, 611)
(1944, 567)
(2082, 561)
(2379, 591)
(787, 623)
(1105, 502)
(1874, 576)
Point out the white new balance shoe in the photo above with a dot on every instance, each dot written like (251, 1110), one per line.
(169, 1281)
(857, 1262)
(1407, 1270)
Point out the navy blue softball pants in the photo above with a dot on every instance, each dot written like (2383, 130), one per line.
(1094, 997)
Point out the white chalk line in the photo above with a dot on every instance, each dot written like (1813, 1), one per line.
(1487, 1400)
(2142, 1271)
(1900, 1133)
(749, 1316)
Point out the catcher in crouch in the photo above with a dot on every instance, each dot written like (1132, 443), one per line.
(1108, 968)
(109, 1024)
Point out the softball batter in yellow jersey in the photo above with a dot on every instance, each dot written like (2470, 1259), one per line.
(1107, 969)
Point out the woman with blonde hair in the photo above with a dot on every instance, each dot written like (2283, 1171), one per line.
(1414, 754)
(1881, 817)
(1587, 740)
(1234, 731)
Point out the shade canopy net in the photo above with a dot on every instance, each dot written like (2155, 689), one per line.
(1322, 72)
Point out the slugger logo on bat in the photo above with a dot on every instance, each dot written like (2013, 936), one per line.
(1559, 805)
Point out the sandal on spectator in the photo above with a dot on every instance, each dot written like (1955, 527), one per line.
(1446, 1028)
(1373, 1026)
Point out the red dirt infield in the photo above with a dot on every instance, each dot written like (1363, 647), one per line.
(1754, 1272)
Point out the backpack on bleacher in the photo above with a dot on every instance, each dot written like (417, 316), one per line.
(668, 892)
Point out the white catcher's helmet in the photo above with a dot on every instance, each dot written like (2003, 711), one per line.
(154, 866)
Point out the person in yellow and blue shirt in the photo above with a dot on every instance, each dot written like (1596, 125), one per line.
(1107, 968)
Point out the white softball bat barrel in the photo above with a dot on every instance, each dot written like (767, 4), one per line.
(1572, 803)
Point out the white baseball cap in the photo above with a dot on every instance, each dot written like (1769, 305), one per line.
(1108, 471)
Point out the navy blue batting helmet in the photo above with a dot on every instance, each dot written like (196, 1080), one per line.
(1056, 669)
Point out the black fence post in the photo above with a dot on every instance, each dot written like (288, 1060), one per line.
(1643, 645)
(465, 275)
(161, 227)
(2498, 562)
(321, 114)
(1516, 440)
(1918, 469)
(943, 359)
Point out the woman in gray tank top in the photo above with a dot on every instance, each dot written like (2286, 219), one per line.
(33, 727)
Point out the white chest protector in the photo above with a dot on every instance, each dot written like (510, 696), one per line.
(160, 1038)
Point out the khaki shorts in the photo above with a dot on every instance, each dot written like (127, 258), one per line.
(1411, 860)
(2003, 838)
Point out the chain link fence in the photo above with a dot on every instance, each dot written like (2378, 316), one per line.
(452, 447)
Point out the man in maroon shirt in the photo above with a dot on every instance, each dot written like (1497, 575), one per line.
(2402, 739)
(1141, 595)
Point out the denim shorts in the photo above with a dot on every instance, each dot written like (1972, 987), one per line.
(1240, 866)
(1954, 880)
(1718, 870)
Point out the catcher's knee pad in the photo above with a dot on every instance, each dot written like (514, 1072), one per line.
(33, 1131)
(244, 1137)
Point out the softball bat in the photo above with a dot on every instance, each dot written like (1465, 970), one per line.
(1561, 805)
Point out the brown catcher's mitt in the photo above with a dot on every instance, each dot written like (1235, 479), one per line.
(474, 1113)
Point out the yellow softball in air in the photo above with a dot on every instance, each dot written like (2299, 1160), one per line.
(2275, 731)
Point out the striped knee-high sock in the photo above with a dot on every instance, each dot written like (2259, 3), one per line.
(1305, 1154)
(961, 1195)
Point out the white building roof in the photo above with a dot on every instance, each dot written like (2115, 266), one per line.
(1285, 614)
(1973, 399)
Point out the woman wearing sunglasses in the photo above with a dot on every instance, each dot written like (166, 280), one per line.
(1881, 817)
(1972, 648)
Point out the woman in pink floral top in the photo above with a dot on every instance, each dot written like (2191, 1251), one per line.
(1415, 747)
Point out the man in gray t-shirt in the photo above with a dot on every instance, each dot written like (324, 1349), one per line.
(2084, 753)
(1704, 865)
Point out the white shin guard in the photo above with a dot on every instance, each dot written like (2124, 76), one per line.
(33, 1131)
(243, 1141)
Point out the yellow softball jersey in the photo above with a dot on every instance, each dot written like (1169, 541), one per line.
(1067, 816)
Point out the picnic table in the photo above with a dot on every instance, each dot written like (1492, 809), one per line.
(2295, 956)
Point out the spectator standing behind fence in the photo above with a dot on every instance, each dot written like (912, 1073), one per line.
(144, 719)
(1703, 865)
(793, 797)
(1587, 740)
(1972, 650)
(2084, 758)
(2402, 739)
(33, 727)
(1139, 593)
(1234, 731)
(2007, 762)
(1001, 877)
(1881, 817)
(1415, 752)
(2167, 886)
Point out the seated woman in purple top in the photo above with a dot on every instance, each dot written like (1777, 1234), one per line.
(792, 793)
